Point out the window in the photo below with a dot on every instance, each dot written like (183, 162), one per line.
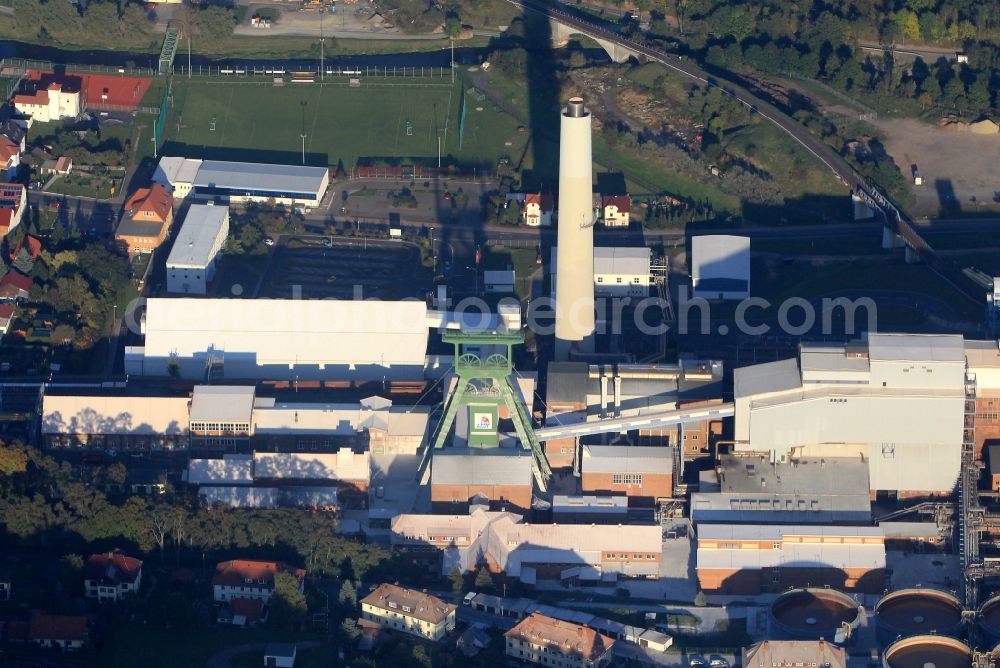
(776, 546)
(636, 280)
(618, 280)
(600, 279)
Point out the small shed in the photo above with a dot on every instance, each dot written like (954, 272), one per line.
(499, 282)
(279, 655)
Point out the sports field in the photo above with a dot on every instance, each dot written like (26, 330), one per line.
(386, 119)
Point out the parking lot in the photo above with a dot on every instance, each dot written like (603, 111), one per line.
(321, 267)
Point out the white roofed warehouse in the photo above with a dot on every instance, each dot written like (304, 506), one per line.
(115, 422)
(242, 182)
(896, 400)
(720, 266)
(282, 339)
(191, 264)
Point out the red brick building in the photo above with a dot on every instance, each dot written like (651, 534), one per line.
(500, 477)
(643, 474)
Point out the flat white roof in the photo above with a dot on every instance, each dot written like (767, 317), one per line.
(114, 415)
(916, 347)
(199, 235)
(621, 261)
(222, 403)
(289, 331)
(503, 276)
(768, 377)
(720, 262)
(172, 170)
(232, 469)
(341, 465)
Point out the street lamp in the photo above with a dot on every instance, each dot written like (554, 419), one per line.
(303, 133)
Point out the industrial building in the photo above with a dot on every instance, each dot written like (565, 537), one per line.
(542, 640)
(589, 509)
(897, 400)
(267, 479)
(281, 339)
(747, 559)
(751, 489)
(530, 552)
(115, 422)
(575, 320)
(221, 416)
(579, 392)
(191, 264)
(982, 359)
(641, 474)
(618, 272)
(243, 182)
(720, 266)
(373, 424)
(498, 477)
(769, 653)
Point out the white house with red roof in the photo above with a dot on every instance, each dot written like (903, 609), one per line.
(48, 104)
(538, 209)
(110, 576)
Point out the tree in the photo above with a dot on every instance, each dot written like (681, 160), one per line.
(700, 600)
(484, 580)
(457, 581)
(115, 473)
(907, 24)
(13, 459)
(287, 604)
(452, 26)
(348, 594)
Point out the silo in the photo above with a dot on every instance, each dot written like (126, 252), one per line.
(575, 249)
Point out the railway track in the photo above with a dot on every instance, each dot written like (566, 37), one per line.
(894, 219)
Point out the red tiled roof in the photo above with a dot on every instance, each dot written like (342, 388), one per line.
(155, 200)
(623, 202)
(40, 97)
(113, 566)
(57, 627)
(30, 244)
(236, 572)
(543, 200)
(252, 609)
(565, 638)
(6, 311)
(64, 163)
(6, 218)
(16, 280)
(8, 150)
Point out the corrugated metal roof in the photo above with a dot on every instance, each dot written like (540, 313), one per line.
(114, 415)
(627, 459)
(566, 383)
(338, 419)
(200, 233)
(769, 377)
(982, 354)
(720, 256)
(832, 476)
(775, 532)
(342, 465)
(916, 347)
(800, 555)
(471, 466)
(622, 261)
(240, 497)
(254, 176)
(222, 403)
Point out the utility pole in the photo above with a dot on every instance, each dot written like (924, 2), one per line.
(322, 68)
(303, 133)
(452, 61)
(439, 150)
(189, 53)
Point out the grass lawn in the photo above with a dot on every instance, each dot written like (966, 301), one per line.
(82, 184)
(386, 119)
(522, 260)
(159, 648)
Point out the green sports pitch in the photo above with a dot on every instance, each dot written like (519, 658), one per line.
(382, 120)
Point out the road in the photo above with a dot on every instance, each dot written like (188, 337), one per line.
(928, 53)
(894, 218)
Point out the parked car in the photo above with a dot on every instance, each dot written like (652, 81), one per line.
(268, 241)
(716, 661)
(697, 662)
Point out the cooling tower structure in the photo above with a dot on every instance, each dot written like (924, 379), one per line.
(575, 251)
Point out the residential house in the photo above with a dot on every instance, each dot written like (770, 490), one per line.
(409, 611)
(542, 640)
(473, 640)
(23, 256)
(616, 210)
(54, 101)
(66, 632)
(110, 576)
(240, 578)
(538, 209)
(242, 612)
(149, 213)
(13, 204)
(15, 287)
(58, 166)
(279, 655)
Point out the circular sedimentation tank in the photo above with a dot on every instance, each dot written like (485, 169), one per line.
(926, 651)
(812, 614)
(911, 612)
(988, 618)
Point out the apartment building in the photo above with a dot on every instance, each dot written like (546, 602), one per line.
(110, 576)
(545, 641)
(409, 611)
(245, 579)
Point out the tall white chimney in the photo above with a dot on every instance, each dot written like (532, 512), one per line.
(575, 240)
